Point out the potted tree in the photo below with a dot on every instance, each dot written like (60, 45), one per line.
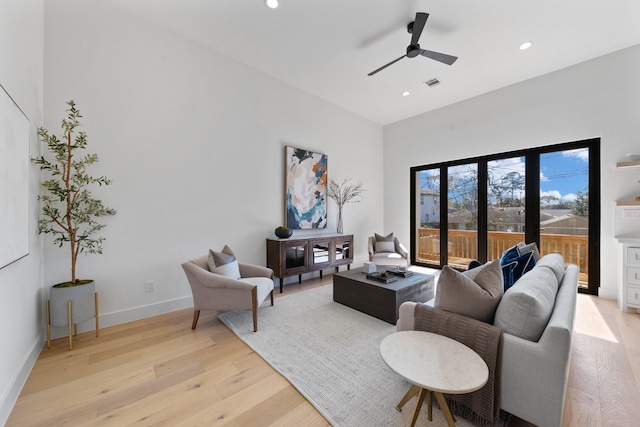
(70, 213)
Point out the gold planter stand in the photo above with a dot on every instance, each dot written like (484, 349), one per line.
(73, 328)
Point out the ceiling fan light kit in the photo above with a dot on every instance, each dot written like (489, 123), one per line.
(415, 29)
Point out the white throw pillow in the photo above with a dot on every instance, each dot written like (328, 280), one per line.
(228, 270)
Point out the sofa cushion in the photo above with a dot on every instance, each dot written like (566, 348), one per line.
(526, 307)
(555, 262)
(475, 293)
(514, 264)
(385, 247)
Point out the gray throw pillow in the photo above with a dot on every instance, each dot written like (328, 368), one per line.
(476, 297)
(385, 247)
(388, 238)
(524, 248)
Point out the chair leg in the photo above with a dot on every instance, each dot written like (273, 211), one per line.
(196, 315)
(254, 308)
(48, 325)
(70, 311)
(97, 318)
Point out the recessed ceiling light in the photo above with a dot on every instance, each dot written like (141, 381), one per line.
(406, 93)
(526, 45)
(271, 3)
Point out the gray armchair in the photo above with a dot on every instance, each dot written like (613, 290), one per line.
(216, 292)
(394, 255)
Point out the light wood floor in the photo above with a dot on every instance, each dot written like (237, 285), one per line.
(157, 371)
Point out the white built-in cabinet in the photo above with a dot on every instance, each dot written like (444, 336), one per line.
(631, 276)
(627, 229)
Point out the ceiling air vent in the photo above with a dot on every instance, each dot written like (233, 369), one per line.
(433, 82)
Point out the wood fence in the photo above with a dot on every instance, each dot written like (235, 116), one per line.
(463, 247)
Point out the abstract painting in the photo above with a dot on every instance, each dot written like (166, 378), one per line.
(306, 189)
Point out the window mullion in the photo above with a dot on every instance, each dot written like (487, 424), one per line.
(483, 221)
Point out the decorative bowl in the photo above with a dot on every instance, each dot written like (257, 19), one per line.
(283, 232)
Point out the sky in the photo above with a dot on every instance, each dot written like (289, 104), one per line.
(562, 173)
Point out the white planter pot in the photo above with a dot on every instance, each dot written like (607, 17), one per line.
(84, 306)
(82, 298)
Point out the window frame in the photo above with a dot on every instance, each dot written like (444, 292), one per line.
(532, 202)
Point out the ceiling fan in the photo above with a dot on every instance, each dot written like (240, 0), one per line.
(415, 29)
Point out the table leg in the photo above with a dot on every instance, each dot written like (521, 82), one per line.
(413, 390)
(418, 406)
(429, 405)
(444, 407)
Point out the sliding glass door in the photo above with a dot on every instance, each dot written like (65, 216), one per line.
(475, 209)
(564, 207)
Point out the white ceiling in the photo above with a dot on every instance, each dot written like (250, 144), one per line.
(328, 47)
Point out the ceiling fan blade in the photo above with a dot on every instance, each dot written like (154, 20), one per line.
(385, 66)
(418, 26)
(440, 57)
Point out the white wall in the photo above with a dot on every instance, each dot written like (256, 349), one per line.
(21, 300)
(194, 143)
(598, 98)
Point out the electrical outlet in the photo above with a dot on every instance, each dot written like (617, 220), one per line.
(148, 286)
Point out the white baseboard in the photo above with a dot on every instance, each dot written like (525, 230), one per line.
(13, 391)
(608, 293)
(142, 312)
(128, 315)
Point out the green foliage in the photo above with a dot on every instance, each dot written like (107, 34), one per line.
(69, 212)
(581, 205)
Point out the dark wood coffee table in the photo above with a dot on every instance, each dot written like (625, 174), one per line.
(377, 299)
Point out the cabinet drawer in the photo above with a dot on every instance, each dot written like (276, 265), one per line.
(633, 296)
(633, 276)
(633, 256)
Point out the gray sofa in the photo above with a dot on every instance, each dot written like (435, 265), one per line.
(534, 372)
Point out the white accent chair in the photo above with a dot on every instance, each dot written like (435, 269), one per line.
(399, 256)
(216, 292)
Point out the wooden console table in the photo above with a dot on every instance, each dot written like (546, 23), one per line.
(295, 256)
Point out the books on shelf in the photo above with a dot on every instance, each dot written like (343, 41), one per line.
(382, 277)
(398, 272)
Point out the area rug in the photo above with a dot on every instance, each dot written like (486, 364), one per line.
(331, 354)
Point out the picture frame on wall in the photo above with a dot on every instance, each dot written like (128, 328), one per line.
(305, 189)
(14, 181)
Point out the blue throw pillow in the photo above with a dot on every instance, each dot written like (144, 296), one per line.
(514, 264)
(473, 264)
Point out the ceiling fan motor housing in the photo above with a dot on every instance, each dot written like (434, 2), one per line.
(413, 50)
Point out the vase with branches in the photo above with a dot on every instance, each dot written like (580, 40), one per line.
(69, 212)
(342, 194)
